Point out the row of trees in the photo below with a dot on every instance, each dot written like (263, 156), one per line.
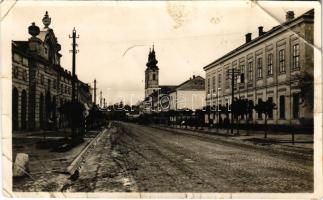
(81, 119)
(239, 109)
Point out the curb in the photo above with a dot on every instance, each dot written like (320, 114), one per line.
(79, 159)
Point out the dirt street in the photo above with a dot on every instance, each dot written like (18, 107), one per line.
(144, 159)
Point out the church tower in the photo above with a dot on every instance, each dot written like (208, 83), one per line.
(151, 73)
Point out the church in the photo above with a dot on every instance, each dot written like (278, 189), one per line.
(188, 95)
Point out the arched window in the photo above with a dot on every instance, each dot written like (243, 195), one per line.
(15, 96)
(41, 110)
(23, 110)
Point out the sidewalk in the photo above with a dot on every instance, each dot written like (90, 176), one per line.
(61, 133)
(47, 168)
(278, 141)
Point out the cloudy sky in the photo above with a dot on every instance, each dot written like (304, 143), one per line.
(115, 36)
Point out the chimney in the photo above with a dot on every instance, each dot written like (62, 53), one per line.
(260, 31)
(193, 76)
(248, 37)
(289, 15)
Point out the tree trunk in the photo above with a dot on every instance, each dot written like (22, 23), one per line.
(265, 125)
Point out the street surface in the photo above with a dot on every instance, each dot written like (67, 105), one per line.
(136, 158)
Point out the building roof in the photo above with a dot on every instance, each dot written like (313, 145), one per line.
(21, 45)
(163, 90)
(307, 15)
(194, 83)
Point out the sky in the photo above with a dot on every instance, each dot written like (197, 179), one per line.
(115, 37)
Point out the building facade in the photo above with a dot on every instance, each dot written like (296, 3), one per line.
(188, 95)
(40, 85)
(272, 67)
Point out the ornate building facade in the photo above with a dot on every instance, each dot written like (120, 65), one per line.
(273, 66)
(40, 85)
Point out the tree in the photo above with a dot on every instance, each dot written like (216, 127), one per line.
(237, 111)
(74, 112)
(208, 113)
(265, 108)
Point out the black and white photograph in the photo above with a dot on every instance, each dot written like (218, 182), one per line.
(165, 99)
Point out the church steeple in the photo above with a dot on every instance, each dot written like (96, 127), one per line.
(151, 73)
(152, 61)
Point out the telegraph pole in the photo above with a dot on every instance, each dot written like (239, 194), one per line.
(233, 72)
(94, 92)
(74, 51)
(100, 98)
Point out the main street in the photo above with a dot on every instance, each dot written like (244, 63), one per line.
(145, 159)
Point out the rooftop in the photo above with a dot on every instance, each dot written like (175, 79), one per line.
(309, 14)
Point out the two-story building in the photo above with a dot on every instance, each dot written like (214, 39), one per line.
(40, 85)
(273, 65)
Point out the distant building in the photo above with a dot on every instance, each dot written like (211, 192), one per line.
(188, 95)
(39, 84)
(272, 65)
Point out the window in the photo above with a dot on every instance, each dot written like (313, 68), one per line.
(259, 68)
(208, 85)
(250, 71)
(154, 77)
(219, 80)
(25, 61)
(42, 79)
(282, 107)
(227, 78)
(24, 75)
(15, 72)
(296, 106)
(213, 84)
(241, 73)
(296, 56)
(281, 56)
(54, 83)
(270, 64)
(48, 83)
(270, 114)
(259, 114)
(17, 58)
(62, 88)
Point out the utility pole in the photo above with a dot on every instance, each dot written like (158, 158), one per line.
(233, 72)
(100, 98)
(94, 92)
(74, 51)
